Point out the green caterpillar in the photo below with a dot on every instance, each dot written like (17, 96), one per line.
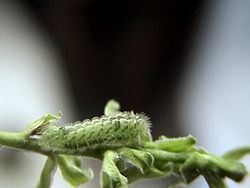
(123, 142)
(123, 129)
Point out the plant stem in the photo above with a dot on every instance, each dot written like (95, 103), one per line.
(10, 139)
(19, 141)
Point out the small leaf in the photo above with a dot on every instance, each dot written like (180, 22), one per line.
(140, 159)
(175, 144)
(110, 174)
(44, 120)
(166, 156)
(71, 171)
(200, 163)
(47, 174)
(232, 169)
(237, 153)
(111, 108)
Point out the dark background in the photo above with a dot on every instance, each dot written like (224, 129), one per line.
(132, 51)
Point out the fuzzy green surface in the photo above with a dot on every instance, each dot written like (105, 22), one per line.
(107, 132)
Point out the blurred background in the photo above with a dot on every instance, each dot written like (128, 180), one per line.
(185, 64)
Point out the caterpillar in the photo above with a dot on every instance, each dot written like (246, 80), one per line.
(122, 141)
(124, 129)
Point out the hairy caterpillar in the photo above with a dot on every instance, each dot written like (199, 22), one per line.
(124, 129)
(123, 142)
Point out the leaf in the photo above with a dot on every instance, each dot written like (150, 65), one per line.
(110, 174)
(175, 144)
(71, 171)
(200, 163)
(166, 156)
(237, 153)
(111, 108)
(140, 159)
(134, 174)
(232, 169)
(47, 174)
(44, 120)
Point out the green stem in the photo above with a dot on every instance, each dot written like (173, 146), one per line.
(10, 139)
(19, 141)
